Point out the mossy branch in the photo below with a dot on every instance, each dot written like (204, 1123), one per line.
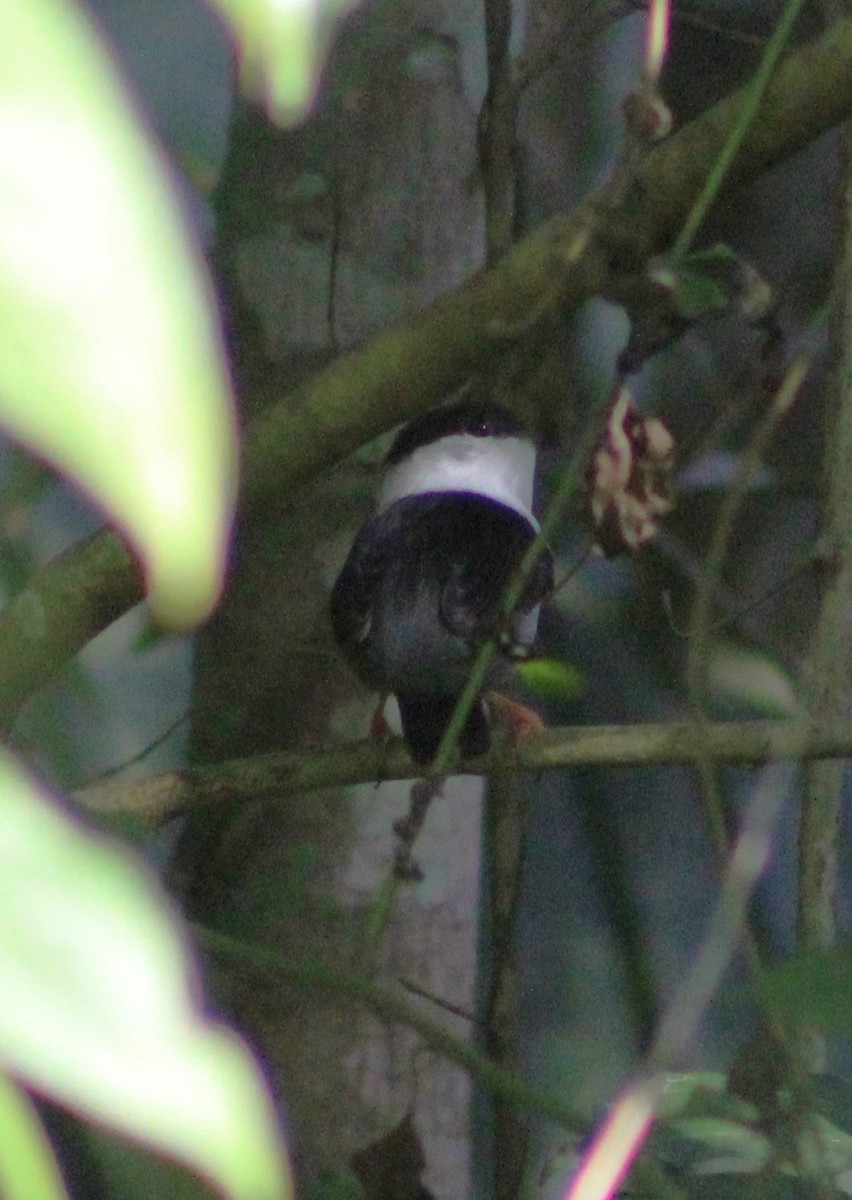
(274, 776)
(405, 370)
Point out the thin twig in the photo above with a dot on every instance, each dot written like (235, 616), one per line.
(754, 92)
(497, 134)
(749, 464)
(735, 613)
(140, 755)
(346, 986)
(454, 1010)
(697, 667)
(700, 626)
(503, 851)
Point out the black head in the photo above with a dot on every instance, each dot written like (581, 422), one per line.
(481, 418)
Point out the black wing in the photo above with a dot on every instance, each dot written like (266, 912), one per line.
(355, 590)
(465, 546)
(491, 542)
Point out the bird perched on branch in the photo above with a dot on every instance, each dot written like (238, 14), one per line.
(424, 582)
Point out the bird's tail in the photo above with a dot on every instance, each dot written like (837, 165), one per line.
(424, 719)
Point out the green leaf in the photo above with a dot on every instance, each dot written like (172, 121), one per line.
(28, 1170)
(552, 679)
(111, 366)
(129, 1171)
(743, 681)
(719, 259)
(749, 1148)
(282, 47)
(696, 294)
(700, 283)
(702, 1094)
(100, 1007)
(816, 988)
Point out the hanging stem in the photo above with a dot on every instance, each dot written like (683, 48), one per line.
(752, 97)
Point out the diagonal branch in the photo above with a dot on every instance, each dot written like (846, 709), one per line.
(405, 370)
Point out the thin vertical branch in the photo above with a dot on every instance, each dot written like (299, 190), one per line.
(503, 825)
(497, 133)
(629, 929)
(504, 855)
(702, 610)
(625, 1130)
(750, 462)
(829, 685)
(752, 97)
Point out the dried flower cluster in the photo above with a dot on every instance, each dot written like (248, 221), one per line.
(630, 478)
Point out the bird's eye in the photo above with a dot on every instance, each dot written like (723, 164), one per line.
(482, 429)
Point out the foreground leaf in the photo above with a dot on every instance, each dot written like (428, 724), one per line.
(100, 1009)
(28, 1170)
(282, 46)
(111, 366)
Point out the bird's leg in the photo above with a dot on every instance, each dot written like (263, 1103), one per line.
(381, 734)
(407, 829)
(380, 731)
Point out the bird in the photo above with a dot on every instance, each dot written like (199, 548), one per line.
(423, 585)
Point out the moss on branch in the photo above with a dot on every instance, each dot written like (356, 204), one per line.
(570, 258)
(275, 776)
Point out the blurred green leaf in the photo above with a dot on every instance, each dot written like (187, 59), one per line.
(133, 1173)
(711, 280)
(750, 1149)
(745, 681)
(816, 989)
(100, 1007)
(703, 1094)
(28, 1170)
(696, 294)
(282, 47)
(111, 366)
(552, 679)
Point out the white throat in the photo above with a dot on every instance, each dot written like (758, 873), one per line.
(501, 468)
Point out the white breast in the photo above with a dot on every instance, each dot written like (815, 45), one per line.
(501, 468)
